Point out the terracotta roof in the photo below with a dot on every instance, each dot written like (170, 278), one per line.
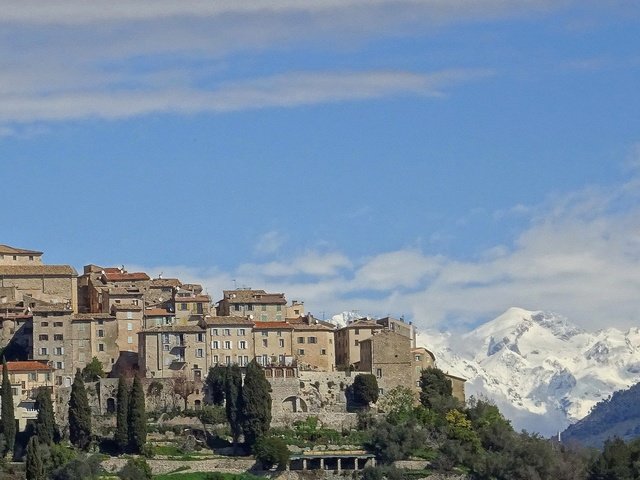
(164, 282)
(158, 312)
(8, 250)
(174, 329)
(195, 298)
(92, 316)
(424, 350)
(272, 325)
(126, 307)
(230, 320)
(13, 270)
(27, 366)
(124, 277)
(54, 307)
(254, 296)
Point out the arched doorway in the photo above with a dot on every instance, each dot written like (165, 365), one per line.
(111, 405)
(294, 404)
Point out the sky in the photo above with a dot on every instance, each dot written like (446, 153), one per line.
(440, 160)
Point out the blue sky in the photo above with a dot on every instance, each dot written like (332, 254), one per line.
(441, 160)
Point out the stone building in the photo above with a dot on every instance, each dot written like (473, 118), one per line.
(101, 287)
(263, 306)
(16, 327)
(191, 307)
(230, 340)
(348, 338)
(26, 378)
(388, 356)
(23, 273)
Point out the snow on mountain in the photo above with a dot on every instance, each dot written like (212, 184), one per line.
(344, 318)
(541, 370)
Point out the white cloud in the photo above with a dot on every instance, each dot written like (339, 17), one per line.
(580, 256)
(270, 242)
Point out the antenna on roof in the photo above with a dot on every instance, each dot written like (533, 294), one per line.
(235, 284)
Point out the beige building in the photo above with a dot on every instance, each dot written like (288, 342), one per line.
(313, 343)
(273, 343)
(230, 340)
(23, 272)
(262, 306)
(388, 356)
(191, 307)
(348, 339)
(26, 378)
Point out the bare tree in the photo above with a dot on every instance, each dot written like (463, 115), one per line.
(184, 388)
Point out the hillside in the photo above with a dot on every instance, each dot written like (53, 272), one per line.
(616, 416)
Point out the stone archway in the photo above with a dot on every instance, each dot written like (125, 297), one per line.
(111, 405)
(294, 404)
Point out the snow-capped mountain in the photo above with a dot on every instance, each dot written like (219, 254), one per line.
(542, 371)
(344, 318)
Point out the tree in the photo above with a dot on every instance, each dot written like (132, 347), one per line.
(233, 404)
(365, 389)
(34, 466)
(215, 384)
(136, 469)
(137, 417)
(256, 403)
(121, 437)
(398, 403)
(270, 451)
(8, 418)
(184, 388)
(79, 414)
(93, 371)
(45, 425)
(436, 391)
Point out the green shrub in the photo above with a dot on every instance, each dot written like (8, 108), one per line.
(270, 451)
(136, 469)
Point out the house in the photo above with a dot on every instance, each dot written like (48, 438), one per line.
(348, 339)
(262, 306)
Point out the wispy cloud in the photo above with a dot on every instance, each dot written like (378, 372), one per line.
(270, 242)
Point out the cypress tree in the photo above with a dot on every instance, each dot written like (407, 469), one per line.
(121, 436)
(256, 404)
(137, 417)
(45, 425)
(79, 414)
(216, 384)
(8, 419)
(34, 466)
(233, 404)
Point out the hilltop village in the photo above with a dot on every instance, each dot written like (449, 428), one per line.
(55, 321)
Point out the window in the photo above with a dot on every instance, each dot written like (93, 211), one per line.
(58, 337)
(265, 342)
(129, 326)
(356, 343)
(129, 339)
(265, 334)
(58, 351)
(200, 337)
(100, 322)
(60, 365)
(227, 360)
(356, 331)
(31, 257)
(300, 351)
(278, 317)
(418, 358)
(44, 351)
(215, 345)
(323, 352)
(281, 342)
(129, 315)
(33, 376)
(264, 317)
(250, 307)
(263, 308)
(165, 348)
(381, 391)
(214, 332)
(227, 345)
(300, 339)
(278, 308)
(165, 338)
(279, 333)
(379, 372)
(58, 380)
(57, 324)
(242, 345)
(312, 340)
(100, 333)
(227, 332)
(14, 390)
(243, 361)
(43, 338)
(241, 332)
(199, 352)
(216, 359)
(44, 324)
(101, 347)
(183, 306)
(236, 307)
(81, 327)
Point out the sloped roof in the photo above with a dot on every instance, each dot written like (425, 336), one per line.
(13, 270)
(27, 366)
(8, 250)
(272, 326)
(226, 321)
(125, 277)
(254, 296)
